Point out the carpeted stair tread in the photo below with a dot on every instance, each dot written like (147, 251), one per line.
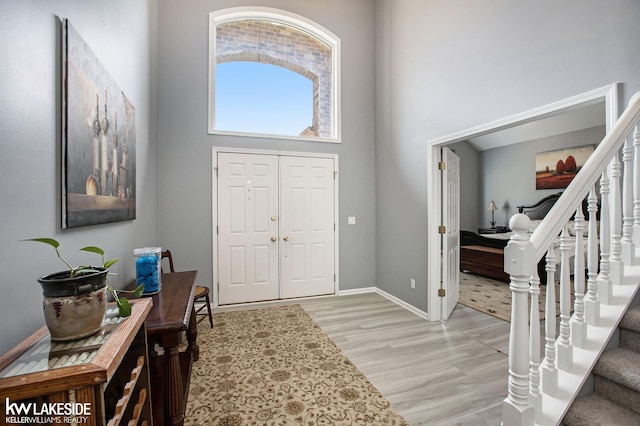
(621, 366)
(616, 400)
(630, 340)
(594, 410)
(631, 319)
(617, 393)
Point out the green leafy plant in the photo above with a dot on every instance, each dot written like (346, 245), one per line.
(124, 306)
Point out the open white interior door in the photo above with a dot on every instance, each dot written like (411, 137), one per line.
(450, 233)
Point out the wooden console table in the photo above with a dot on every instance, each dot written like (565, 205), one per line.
(106, 374)
(172, 314)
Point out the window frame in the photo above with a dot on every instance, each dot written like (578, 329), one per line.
(286, 18)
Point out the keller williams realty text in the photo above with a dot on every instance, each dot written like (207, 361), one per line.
(48, 412)
(44, 420)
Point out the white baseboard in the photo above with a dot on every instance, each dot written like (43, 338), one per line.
(402, 303)
(362, 290)
(388, 296)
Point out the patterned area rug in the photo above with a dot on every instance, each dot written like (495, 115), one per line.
(276, 366)
(494, 297)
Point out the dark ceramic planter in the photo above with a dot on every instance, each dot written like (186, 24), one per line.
(74, 307)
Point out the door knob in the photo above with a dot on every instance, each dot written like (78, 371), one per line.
(274, 239)
(286, 238)
(273, 218)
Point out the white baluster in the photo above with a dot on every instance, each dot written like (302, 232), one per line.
(563, 344)
(591, 304)
(519, 263)
(534, 343)
(628, 251)
(604, 279)
(615, 217)
(636, 185)
(578, 326)
(549, 370)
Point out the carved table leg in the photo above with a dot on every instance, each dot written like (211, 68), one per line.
(192, 334)
(174, 396)
(151, 343)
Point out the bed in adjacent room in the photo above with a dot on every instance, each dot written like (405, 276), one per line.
(483, 254)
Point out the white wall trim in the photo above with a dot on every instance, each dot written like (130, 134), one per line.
(392, 298)
(214, 205)
(363, 290)
(403, 304)
(607, 93)
(265, 303)
(351, 292)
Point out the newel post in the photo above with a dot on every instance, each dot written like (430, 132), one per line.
(519, 263)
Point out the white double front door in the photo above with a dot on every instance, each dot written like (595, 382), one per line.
(276, 227)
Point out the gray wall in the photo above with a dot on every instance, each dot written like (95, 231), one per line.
(123, 34)
(412, 70)
(443, 66)
(483, 176)
(471, 178)
(185, 146)
(518, 163)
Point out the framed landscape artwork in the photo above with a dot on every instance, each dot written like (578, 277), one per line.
(556, 169)
(98, 139)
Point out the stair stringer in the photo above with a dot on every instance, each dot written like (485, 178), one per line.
(554, 407)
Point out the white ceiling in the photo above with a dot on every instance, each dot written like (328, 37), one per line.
(568, 121)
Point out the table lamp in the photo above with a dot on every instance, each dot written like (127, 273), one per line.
(493, 208)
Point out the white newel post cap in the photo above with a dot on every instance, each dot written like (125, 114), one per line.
(520, 224)
(519, 253)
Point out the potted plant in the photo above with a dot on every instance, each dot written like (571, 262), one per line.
(75, 300)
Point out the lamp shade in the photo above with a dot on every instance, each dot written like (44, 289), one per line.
(492, 206)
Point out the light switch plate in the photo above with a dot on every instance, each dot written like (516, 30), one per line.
(351, 220)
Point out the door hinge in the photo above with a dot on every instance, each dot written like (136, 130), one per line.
(442, 229)
(334, 278)
(441, 292)
(217, 229)
(442, 165)
(216, 169)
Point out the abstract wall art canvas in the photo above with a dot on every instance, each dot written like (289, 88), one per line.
(98, 139)
(556, 169)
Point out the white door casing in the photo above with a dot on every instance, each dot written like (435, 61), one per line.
(607, 94)
(306, 226)
(248, 264)
(247, 227)
(451, 237)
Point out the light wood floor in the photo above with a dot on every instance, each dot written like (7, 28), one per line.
(452, 373)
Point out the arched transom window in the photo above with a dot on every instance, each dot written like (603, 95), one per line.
(272, 73)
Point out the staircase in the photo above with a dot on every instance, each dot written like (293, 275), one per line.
(616, 382)
(549, 366)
